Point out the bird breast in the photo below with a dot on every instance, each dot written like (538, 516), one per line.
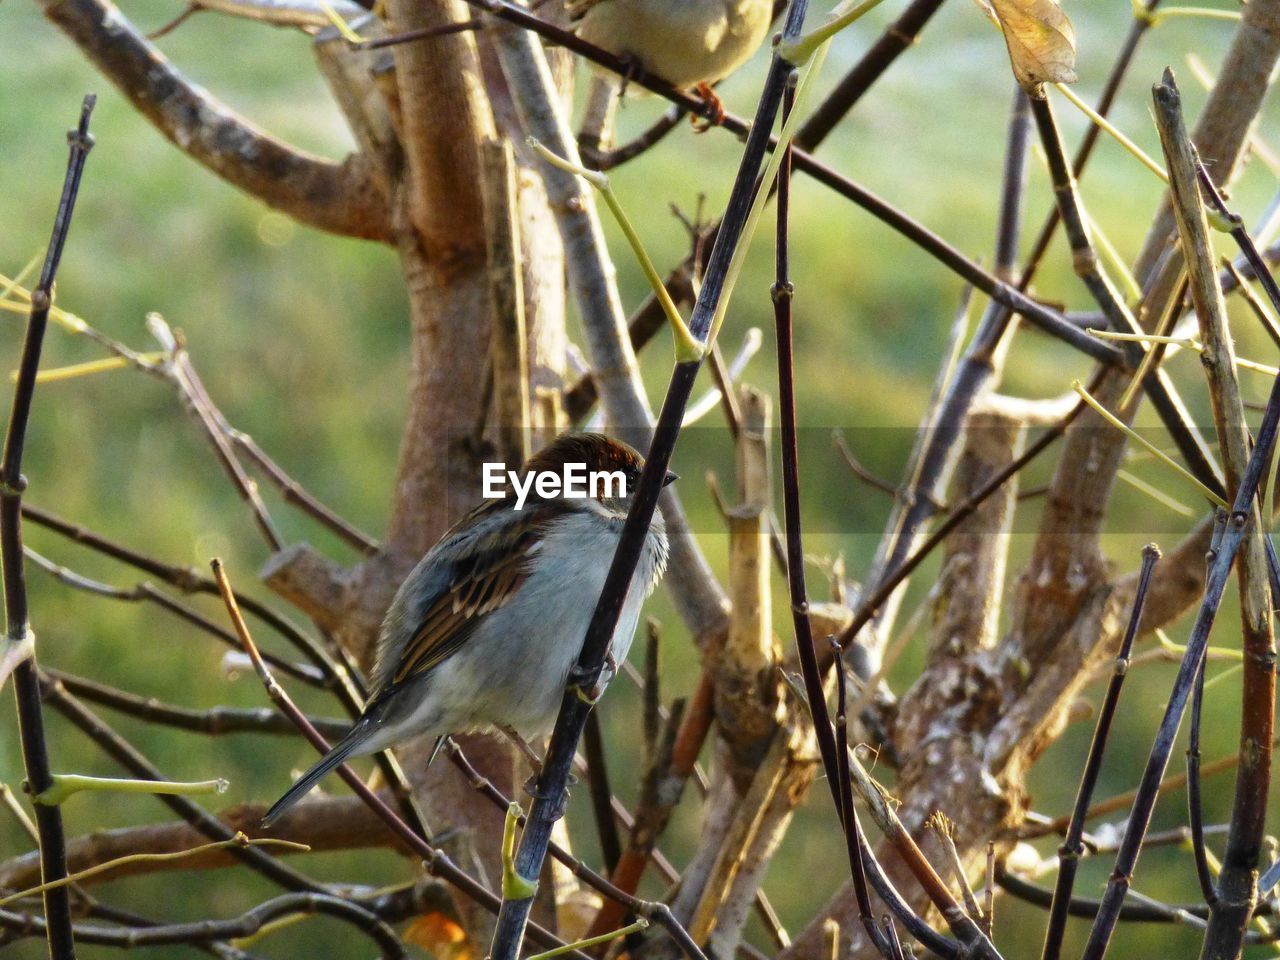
(686, 42)
(531, 644)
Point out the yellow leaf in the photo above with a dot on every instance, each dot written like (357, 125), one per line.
(1041, 41)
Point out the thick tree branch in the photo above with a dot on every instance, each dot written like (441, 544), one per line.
(340, 198)
(329, 823)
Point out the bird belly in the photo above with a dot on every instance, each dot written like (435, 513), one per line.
(685, 42)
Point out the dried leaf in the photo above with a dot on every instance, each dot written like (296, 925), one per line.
(1041, 41)
(439, 935)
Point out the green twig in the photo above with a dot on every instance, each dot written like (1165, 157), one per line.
(66, 784)
(798, 51)
(1107, 126)
(239, 840)
(688, 349)
(514, 886)
(626, 931)
(1159, 454)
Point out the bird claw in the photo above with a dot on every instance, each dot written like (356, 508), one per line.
(630, 70)
(714, 105)
(578, 677)
(561, 802)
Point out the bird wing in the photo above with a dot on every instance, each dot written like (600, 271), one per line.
(475, 569)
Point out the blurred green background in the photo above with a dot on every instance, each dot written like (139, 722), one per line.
(301, 339)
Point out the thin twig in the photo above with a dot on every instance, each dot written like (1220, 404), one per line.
(111, 865)
(216, 721)
(827, 737)
(1260, 310)
(18, 653)
(1147, 911)
(945, 828)
(247, 924)
(1236, 892)
(296, 494)
(1072, 847)
(867, 607)
(1195, 809)
(603, 160)
(881, 808)
(196, 398)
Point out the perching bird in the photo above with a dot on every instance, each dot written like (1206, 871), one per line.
(688, 43)
(483, 633)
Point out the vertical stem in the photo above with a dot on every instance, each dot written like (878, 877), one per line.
(834, 760)
(35, 753)
(1195, 810)
(1073, 845)
(601, 794)
(783, 293)
(1237, 893)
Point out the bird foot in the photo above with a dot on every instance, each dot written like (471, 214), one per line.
(577, 681)
(715, 109)
(561, 802)
(630, 70)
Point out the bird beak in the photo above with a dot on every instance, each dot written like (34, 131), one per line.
(670, 478)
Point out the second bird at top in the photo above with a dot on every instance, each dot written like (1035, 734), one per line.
(688, 43)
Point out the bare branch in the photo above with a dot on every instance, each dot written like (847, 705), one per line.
(326, 823)
(1237, 887)
(17, 649)
(338, 198)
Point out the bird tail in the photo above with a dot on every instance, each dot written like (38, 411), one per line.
(346, 747)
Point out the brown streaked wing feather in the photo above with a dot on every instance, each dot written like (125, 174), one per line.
(483, 586)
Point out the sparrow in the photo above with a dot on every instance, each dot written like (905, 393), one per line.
(688, 43)
(484, 632)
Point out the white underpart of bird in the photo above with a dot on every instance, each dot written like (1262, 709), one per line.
(685, 42)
